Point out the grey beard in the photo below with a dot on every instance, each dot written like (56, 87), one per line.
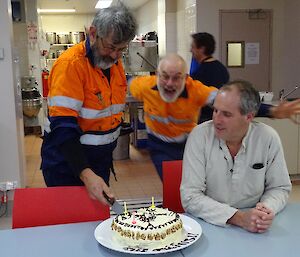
(167, 99)
(102, 62)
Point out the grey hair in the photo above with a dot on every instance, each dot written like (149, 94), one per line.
(117, 20)
(249, 96)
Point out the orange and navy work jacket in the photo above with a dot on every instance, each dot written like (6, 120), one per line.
(171, 122)
(80, 92)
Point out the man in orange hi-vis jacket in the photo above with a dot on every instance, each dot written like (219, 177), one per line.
(172, 101)
(87, 90)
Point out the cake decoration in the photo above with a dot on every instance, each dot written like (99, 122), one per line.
(152, 225)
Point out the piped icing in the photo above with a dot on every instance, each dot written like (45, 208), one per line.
(147, 225)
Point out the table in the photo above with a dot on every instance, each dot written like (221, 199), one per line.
(281, 240)
(78, 240)
(68, 240)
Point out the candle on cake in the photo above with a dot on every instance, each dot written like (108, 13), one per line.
(153, 206)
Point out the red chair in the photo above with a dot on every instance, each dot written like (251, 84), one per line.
(55, 205)
(172, 173)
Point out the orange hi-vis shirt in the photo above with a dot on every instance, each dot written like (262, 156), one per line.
(171, 122)
(78, 89)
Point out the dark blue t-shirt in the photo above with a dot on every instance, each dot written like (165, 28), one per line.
(212, 73)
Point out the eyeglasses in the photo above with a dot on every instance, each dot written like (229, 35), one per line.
(112, 48)
(165, 77)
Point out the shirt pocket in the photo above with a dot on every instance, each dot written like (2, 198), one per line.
(254, 184)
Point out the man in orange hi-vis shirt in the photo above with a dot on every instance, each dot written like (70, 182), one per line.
(172, 102)
(87, 91)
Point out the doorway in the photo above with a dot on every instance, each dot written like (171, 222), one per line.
(246, 42)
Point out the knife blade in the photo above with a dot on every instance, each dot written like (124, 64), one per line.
(115, 206)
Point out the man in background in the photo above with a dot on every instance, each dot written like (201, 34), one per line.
(232, 163)
(210, 72)
(87, 90)
(172, 101)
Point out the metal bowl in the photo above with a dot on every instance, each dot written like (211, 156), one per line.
(31, 107)
(30, 93)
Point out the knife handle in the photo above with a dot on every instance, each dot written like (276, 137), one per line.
(110, 200)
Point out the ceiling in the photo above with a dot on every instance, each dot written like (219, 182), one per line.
(87, 6)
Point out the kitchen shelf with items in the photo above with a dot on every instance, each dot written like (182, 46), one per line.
(60, 42)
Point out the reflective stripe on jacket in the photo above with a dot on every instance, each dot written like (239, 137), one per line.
(78, 89)
(170, 122)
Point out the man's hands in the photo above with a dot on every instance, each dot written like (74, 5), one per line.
(287, 110)
(256, 220)
(95, 185)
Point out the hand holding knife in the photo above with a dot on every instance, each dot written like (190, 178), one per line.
(115, 206)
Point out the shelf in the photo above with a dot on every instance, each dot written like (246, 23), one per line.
(62, 44)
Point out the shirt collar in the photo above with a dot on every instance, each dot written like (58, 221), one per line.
(183, 94)
(246, 137)
(89, 52)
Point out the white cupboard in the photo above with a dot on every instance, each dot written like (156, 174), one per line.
(290, 137)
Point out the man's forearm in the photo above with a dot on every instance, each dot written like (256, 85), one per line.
(204, 207)
(275, 199)
(74, 155)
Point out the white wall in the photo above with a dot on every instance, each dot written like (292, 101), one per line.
(173, 20)
(208, 20)
(152, 17)
(65, 23)
(21, 43)
(171, 26)
(12, 161)
(161, 29)
(34, 57)
(186, 25)
(146, 17)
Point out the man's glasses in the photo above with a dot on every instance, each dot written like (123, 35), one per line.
(112, 48)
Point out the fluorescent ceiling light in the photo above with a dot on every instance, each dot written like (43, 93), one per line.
(101, 4)
(55, 10)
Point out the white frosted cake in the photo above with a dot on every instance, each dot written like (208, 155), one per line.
(147, 226)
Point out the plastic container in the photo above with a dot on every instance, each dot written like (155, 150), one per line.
(266, 96)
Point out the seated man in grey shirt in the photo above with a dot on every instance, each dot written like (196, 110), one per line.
(232, 163)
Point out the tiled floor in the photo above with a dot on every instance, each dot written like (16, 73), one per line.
(136, 177)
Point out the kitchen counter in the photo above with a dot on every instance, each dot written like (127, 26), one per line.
(289, 134)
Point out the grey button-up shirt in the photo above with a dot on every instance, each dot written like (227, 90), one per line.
(214, 185)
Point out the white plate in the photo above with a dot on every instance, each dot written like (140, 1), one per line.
(104, 236)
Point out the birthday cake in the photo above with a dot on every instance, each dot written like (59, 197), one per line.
(147, 226)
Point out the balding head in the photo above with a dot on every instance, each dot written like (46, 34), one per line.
(174, 61)
(171, 77)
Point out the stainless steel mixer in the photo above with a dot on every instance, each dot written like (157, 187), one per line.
(31, 98)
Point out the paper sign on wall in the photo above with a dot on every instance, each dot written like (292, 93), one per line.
(252, 53)
(32, 32)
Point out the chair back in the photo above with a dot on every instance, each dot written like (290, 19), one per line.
(55, 205)
(172, 173)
